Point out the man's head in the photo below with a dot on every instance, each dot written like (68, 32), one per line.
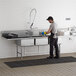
(50, 19)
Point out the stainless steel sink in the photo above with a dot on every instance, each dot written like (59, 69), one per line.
(29, 32)
(26, 33)
(32, 32)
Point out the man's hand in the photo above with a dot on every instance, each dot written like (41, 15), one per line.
(44, 33)
(49, 31)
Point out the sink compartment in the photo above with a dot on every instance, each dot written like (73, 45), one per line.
(25, 42)
(42, 41)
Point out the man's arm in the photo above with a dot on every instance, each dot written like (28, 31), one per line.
(49, 31)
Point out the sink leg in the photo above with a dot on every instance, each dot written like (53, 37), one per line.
(17, 50)
(21, 52)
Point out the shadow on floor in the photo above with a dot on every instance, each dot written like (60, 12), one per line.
(35, 62)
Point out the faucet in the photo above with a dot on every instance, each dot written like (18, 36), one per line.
(34, 17)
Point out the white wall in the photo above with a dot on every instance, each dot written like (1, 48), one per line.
(14, 15)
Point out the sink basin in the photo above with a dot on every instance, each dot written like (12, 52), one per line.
(32, 32)
(28, 32)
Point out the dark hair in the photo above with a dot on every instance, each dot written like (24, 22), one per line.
(50, 18)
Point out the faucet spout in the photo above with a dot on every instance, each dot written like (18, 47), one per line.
(34, 16)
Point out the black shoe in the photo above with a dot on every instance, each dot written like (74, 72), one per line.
(56, 57)
(49, 57)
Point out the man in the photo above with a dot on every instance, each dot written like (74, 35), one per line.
(53, 38)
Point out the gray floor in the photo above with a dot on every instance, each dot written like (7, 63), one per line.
(62, 69)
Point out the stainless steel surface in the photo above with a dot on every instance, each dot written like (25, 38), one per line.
(26, 33)
(23, 34)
